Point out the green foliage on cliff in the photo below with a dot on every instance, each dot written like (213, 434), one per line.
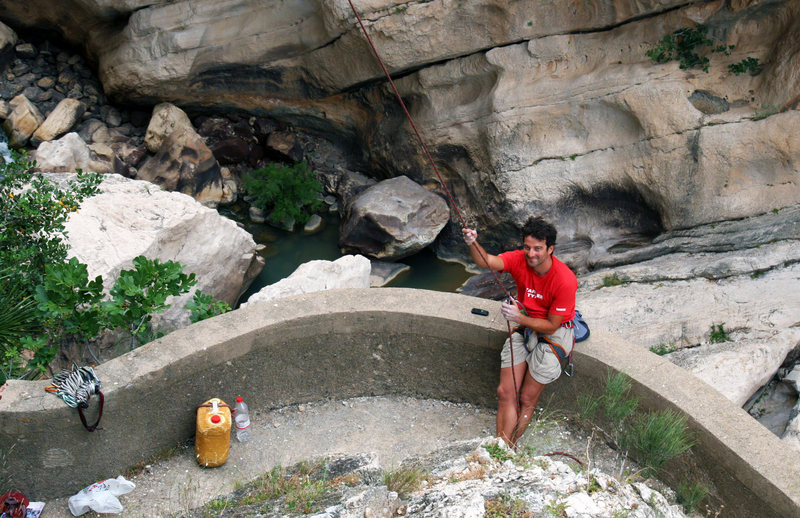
(689, 46)
(291, 192)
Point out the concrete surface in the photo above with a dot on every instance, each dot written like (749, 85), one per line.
(349, 343)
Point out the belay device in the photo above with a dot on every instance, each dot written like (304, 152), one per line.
(76, 387)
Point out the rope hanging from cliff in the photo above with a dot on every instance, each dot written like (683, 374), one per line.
(450, 198)
(446, 190)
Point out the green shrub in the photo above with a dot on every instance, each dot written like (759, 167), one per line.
(748, 64)
(662, 349)
(587, 405)
(617, 405)
(718, 334)
(18, 319)
(612, 280)
(658, 437)
(684, 45)
(33, 212)
(765, 111)
(139, 293)
(690, 495)
(497, 452)
(204, 306)
(404, 481)
(291, 192)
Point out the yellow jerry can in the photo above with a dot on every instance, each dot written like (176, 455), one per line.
(212, 440)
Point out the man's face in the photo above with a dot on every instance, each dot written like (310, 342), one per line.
(536, 252)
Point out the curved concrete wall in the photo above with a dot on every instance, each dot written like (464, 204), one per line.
(348, 343)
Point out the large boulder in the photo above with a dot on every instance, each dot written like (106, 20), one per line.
(185, 164)
(60, 121)
(393, 219)
(131, 218)
(22, 120)
(64, 155)
(8, 38)
(167, 118)
(349, 271)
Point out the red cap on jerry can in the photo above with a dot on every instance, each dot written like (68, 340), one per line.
(215, 418)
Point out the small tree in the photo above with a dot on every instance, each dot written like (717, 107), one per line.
(291, 192)
(33, 212)
(139, 293)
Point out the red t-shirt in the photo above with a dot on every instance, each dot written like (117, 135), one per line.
(553, 292)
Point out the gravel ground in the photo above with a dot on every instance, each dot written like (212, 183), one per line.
(393, 428)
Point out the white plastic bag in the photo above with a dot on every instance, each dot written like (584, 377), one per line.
(101, 497)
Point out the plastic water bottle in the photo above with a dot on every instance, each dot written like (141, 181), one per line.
(242, 420)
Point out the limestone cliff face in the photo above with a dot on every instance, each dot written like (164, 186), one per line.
(528, 106)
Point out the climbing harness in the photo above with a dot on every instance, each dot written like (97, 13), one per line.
(75, 387)
(453, 204)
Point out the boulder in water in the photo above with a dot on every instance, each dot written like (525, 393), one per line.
(393, 219)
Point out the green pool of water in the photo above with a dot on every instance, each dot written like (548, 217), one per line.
(285, 251)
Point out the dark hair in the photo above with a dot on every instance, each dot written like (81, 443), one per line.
(538, 228)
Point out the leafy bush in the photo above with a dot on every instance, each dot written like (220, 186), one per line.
(33, 212)
(140, 292)
(748, 64)
(718, 334)
(683, 45)
(291, 192)
(32, 215)
(203, 306)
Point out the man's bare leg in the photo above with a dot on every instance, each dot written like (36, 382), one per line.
(507, 404)
(528, 397)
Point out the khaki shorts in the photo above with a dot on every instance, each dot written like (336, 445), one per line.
(543, 364)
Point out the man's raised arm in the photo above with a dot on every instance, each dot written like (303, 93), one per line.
(479, 254)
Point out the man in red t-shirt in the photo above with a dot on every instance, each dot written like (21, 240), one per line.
(546, 290)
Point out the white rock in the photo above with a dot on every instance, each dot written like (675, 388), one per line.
(131, 218)
(349, 271)
(64, 155)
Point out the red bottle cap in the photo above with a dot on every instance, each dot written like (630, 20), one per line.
(215, 418)
(239, 399)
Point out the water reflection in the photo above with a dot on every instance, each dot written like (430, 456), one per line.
(285, 251)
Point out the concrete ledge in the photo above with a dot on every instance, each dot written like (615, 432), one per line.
(347, 343)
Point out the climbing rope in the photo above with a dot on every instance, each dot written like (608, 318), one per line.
(449, 196)
(75, 387)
